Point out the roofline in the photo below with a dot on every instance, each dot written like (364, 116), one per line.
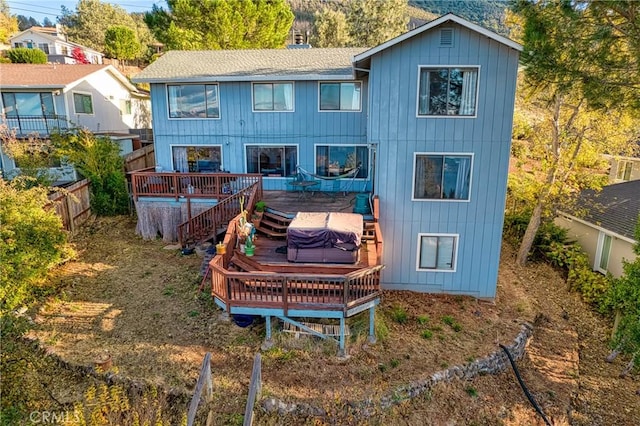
(66, 87)
(599, 228)
(429, 25)
(245, 77)
(45, 35)
(32, 87)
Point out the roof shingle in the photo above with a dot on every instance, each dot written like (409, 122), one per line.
(14, 76)
(252, 64)
(615, 208)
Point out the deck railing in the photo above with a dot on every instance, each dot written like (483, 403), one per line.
(192, 185)
(293, 291)
(205, 225)
(42, 124)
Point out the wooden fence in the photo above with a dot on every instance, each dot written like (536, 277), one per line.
(204, 379)
(73, 204)
(139, 159)
(205, 382)
(255, 388)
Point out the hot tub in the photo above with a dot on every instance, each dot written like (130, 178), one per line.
(324, 237)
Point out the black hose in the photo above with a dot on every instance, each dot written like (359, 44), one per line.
(524, 387)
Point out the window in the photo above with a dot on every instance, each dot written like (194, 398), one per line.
(207, 159)
(447, 91)
(65, 50)
(193, 101)
(18, 104)
(273, 96)
(125, 107)
(340, 96)
(624, 170)
(271, 160)
(336, 160)
(82, 103)
(44, 47)
(441, 177)
(602, 253)
(437, 252)
(18, 44)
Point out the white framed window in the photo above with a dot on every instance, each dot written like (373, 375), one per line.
(448, 91)
(44, 47)
(18, 44)
(83, 103)
(193, 101)
(623, 172)
(270, 97)
(603, 251)
(437, 252)
(197, 158)
(340, 96)
(272, 160)
(337, 160)
(442, 176)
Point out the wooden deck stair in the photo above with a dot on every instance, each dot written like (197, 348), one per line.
(274, 225)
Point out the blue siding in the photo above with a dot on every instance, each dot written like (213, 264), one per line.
(238, 126)
(388, 122)
(398, 133)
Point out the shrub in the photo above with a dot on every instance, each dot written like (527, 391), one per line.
(31, 242)
(22, 55)
(515, 225)
(98, 159)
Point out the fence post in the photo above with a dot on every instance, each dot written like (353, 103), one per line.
(255, 389)
(203, 379)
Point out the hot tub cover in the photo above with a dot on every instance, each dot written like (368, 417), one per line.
(325, 230)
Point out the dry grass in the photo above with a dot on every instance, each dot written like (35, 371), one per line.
(140, 303)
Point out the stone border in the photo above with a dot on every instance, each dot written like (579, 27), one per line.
(494, 363)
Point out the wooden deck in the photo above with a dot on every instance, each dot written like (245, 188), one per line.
(271, 255)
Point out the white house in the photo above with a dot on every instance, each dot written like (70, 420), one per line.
(37, 98)
(54, 43)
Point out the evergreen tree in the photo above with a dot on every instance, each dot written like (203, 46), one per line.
(121, 43)
(372, 22)
(222, 24)
(593, 46)
(8, 23)
(88, 24)
(580, 56)
(331, 29)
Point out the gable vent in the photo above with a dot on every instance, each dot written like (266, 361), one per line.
(446, 37)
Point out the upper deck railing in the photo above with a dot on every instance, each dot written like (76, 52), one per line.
(43, 125)
(191, 185)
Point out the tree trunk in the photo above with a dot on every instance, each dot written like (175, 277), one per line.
(530, 234)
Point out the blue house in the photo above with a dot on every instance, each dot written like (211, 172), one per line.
(422, 122)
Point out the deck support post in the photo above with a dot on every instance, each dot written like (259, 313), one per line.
(268, 343)
(341, 351)
(372, 318)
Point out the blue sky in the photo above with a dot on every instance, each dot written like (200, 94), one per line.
(40, 9)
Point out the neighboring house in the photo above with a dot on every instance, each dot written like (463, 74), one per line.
(426, 117)
(623, 169)
(603, 223)
(54, 43)
(41, 98)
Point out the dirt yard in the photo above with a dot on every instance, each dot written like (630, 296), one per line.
(139, 302)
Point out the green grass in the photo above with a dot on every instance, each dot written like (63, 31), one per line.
(426, 334)
(399, 315)
(423, 319)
